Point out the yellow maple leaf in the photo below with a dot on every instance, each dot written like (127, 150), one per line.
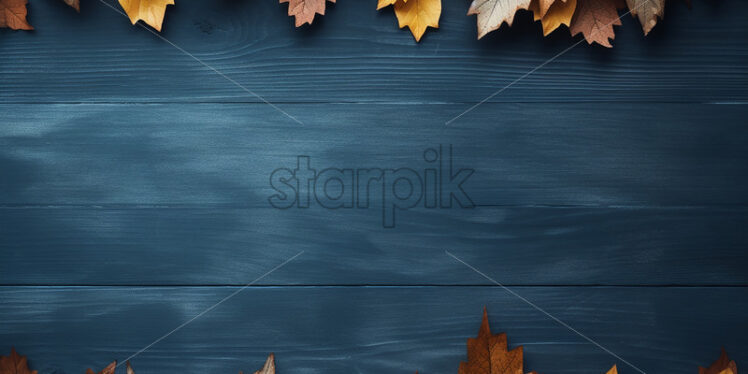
(418, 15)
(149, 11)
(558, 13)
(385, 3)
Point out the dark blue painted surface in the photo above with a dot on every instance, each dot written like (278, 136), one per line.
(126, 167)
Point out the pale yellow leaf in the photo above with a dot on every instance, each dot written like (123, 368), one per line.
(648, 11)
(149, 11)
(493, 13)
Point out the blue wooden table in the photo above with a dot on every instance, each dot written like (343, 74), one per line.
(609, 188)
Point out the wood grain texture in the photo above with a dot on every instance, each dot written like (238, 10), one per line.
(356, 54)
(523, 154)
(607, 167)
(527, 246)
(369, 329)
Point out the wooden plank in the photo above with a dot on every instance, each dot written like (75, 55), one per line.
(370, 329)
(356, 54)
(522, 154)
(527, 246)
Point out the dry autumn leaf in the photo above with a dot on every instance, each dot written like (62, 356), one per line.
(613, 370)
(268, 368)
(418, 15)
(107, 370)
(559, 13)
(648, 11)
(74, 3)
(723, 365)
(305, 10)
(595, 20)
(488, 354)
(149, 11)
(14, 364)
(544, 5)
(385, 3)
(493, 13)
(13, 14)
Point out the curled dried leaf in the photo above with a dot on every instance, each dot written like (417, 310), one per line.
(13, 14)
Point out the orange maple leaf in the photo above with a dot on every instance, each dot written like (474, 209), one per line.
(595, 20)
(488, 354)
(723, 365)
(14, 364)
(13, 14)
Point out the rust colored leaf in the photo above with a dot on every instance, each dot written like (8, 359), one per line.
(14, 364)
(723, 365)
(595, 20)
(74, 3)
(13, 14)
(304, 10)
(107, 370)
(488, 354)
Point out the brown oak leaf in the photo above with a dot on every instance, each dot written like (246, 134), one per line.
(595, 20)
(107, 370)
(14, 364)
(305, 10)
(13, 14)
(74, 3)
(723, 365)
(488, 354)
